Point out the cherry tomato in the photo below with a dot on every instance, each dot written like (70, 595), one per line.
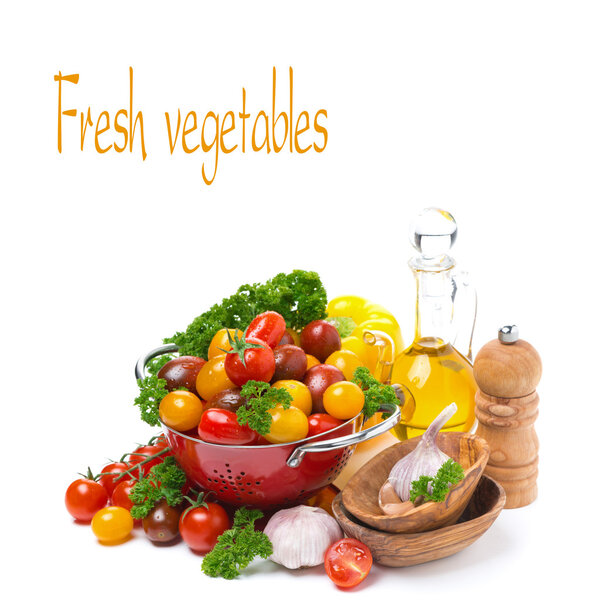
(346, 361)
(112, 524)
(290, 337)
(180, 410)
(347, 562)
(162, 523)
(201, 526)
(219, 345)
(230, 399)
(300, 394)
(108, 481)
(84, 498)
(220, 426)
(311, 361)
(320, 339)
(288, 425)
(212, 378)
(368, 355)
(343, 400)
(290, 362)
(321, 422)
(318, 379)
(258, 364)
(120, 497)
(142, 453)
(268, 327)
(182, 372)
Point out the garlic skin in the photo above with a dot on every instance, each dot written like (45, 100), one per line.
(300, 536)
(425, 459)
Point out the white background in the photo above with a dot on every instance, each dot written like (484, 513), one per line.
(488, 109)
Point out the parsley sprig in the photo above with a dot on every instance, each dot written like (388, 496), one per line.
(376, 393)
(238, 546)
(152, 391)
(260, 398)
(448, 474)
(165, 480)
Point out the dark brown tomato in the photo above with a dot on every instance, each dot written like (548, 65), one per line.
(182, 372)
(162, 524)
(290, 337)
(317, 380)
(229, 399)
(290, 363)
(320, 339)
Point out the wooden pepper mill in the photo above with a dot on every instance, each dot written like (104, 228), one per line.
(507, 371)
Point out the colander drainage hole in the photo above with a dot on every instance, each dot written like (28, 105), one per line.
(242, 473)
(257, 482)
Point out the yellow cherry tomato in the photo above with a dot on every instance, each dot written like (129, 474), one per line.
(180, 410)
(385, 324)
(311, 361)
(112, 524)
(346, 361)
(366, 354)
(343, 400)
(288, 425)
(213, 379)
(300, 394)
(219, 345)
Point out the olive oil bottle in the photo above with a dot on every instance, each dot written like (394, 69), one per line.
(432, 368)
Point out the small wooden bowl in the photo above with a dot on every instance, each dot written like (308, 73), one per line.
(407, 549)
(361, 494)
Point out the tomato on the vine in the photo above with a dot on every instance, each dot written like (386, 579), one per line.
(348, 562)
(249, 359)
(220, 426)
(268, 327)
(142, 453)
(120, 496)
(84, 498)
(201, 525)
(115, 469)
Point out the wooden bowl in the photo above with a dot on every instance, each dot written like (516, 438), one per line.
(361, 494)
(407, 549)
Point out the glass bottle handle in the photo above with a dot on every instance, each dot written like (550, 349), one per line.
(464, 313)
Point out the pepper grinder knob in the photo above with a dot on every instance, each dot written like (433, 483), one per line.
(507, 371)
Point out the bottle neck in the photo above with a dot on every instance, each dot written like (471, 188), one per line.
(433, 323)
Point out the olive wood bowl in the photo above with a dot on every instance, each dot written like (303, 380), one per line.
(407, 549)
(361, 494)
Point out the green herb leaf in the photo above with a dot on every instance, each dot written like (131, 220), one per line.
(376, 393)
(152, 391)
(448, 474)
(298, 296)
(238, 546)
(260, 398)
(165, 480)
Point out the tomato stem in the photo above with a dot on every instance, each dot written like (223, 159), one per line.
(141, 463)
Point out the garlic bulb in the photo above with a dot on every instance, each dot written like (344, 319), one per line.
(300, 536)
(425, 459)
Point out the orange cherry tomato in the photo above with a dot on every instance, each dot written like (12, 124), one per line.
(346, 361)
(112, 524)
(300, 394)
(343, 400)
(212, 378)
(180, 410)
(219, 345)
(289, 425)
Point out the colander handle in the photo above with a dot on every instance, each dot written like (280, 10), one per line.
(140, 365)
(297, 455)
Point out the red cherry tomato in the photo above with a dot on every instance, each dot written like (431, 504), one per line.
(84, 498)
(108, 481)
(201, 526)
(220, 426)
(347, 562)
(322, 422)
(120, 497)
(320, 338)
(259, 363)
(141, 453)
(268, 327)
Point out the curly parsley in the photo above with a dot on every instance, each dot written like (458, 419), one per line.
(448, 474)
(376, 393)
(165, 480)
(238, 546)
(260, 398)
(152, 391)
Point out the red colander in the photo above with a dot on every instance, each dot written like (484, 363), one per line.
(273, 475)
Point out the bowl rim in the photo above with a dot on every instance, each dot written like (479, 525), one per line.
(253, 446)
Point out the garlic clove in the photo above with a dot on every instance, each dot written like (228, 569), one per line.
(390, 503)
